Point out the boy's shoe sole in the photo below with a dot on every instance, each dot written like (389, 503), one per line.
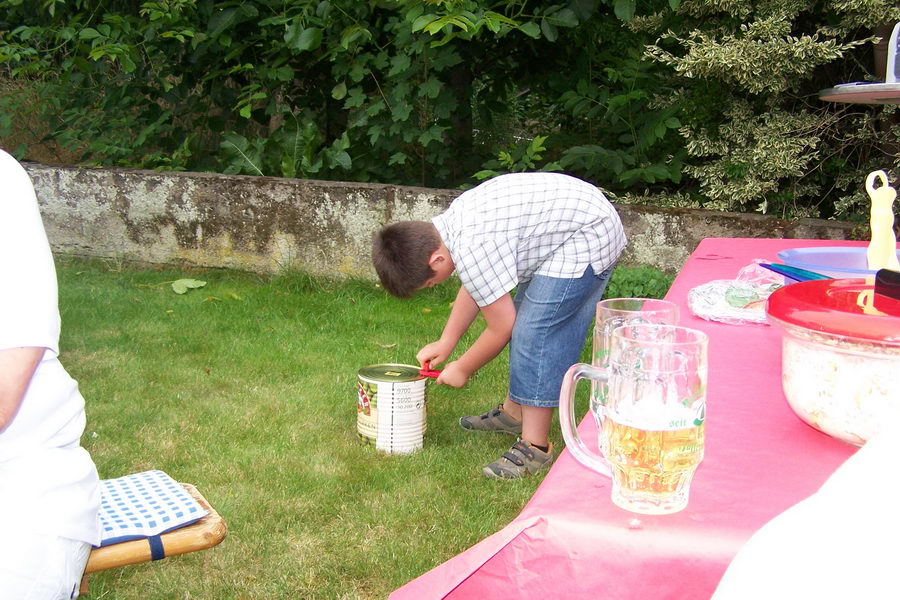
(521, 460)
(496, 420)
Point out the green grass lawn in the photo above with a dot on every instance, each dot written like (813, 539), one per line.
(246, 388)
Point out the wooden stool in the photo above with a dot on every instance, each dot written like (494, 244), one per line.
(203, 534)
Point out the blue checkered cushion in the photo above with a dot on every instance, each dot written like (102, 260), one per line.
(143, 505)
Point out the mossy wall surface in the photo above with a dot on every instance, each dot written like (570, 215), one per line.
(266, 224)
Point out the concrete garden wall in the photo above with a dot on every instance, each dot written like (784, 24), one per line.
(265, 224)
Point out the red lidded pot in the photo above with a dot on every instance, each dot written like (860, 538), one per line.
(840, 355)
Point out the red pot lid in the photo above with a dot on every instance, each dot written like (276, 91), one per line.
(838, 306)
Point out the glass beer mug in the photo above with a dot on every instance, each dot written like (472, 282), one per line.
(652, 424)
(616, 312)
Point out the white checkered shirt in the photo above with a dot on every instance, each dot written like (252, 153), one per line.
(505, 230)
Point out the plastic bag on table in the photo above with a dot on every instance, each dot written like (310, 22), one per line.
(736, 301)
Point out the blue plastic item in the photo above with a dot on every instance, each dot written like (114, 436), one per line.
(794, 273)
(839, 262)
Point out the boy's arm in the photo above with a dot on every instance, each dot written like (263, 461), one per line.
(500, 317)
(461, 316)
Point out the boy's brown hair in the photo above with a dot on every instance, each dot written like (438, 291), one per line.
(400, 254)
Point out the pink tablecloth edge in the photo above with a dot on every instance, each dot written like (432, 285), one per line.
(440, 581)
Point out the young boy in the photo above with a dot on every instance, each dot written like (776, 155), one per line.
(555, 237)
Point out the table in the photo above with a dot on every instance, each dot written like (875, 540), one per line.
(863, 93)
(571, 542)
(867, 92)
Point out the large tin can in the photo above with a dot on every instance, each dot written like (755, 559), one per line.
(390, 407)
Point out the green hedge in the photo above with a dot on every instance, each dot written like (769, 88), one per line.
(638, 282)
(707, 103)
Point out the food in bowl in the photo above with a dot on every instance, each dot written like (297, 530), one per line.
(840, 355)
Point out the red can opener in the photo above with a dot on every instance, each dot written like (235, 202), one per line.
(427, 371)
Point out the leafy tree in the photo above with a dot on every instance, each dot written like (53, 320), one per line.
(748, 75)
(307, 88)
(703, 102)
(408, 92)
(590, 97)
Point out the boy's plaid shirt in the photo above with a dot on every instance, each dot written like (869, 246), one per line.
(505, 230)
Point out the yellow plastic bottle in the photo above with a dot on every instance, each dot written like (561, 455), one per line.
(882, 250)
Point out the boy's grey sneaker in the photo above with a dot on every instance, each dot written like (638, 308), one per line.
(495, 419)
(521, 460)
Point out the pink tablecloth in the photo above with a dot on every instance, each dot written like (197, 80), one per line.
(571, 542)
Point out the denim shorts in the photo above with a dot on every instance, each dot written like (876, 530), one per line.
(552, 319)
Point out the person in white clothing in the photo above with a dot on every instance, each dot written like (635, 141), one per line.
(49, 487)
(836, 544)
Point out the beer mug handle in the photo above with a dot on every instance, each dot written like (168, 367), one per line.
(567, 423)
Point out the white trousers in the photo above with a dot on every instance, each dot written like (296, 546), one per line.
(40, 567)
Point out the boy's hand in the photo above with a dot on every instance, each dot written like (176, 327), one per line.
(453, 375)
(435, 353)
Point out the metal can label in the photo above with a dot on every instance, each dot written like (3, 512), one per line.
(390, 406)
